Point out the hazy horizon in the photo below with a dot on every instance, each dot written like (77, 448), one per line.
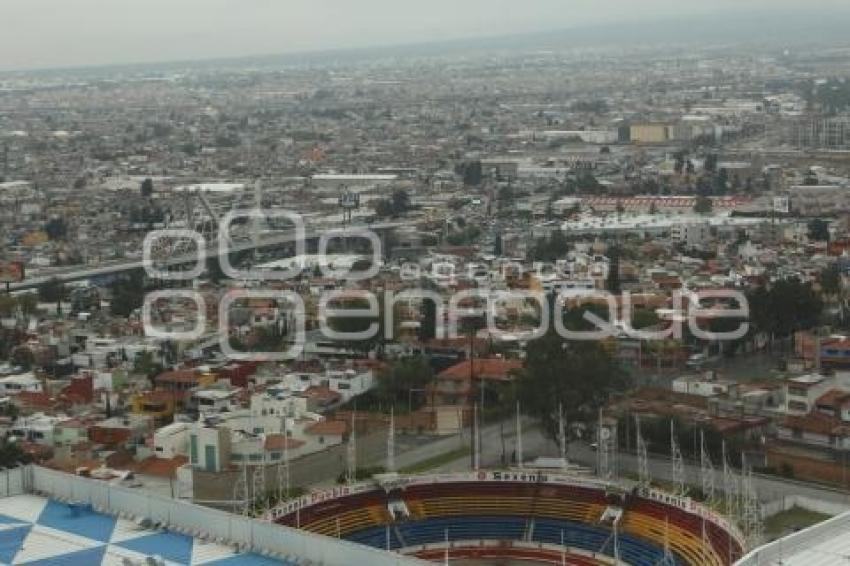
(68, 33)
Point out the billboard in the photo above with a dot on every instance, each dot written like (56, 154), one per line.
(11, 271)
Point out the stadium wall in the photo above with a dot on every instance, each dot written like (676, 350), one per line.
(12, 482)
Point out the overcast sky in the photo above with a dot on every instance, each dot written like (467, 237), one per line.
(48, 33)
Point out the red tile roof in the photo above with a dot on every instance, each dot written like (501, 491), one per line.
(279, 442)
(322, 394)
(333, 428)
(160, 467)
(496, 369)
(833, 398)
(817, 423)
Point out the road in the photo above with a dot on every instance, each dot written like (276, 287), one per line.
(322, 469)
(78, 273)
(769, 488)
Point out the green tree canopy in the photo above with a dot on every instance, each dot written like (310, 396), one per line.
(404, 381)
(577, 376)
(819, 230)
(784, 308)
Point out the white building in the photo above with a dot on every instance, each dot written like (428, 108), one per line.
(802, 392)
(209, 447)
(172, 440)
(38, 428)
(214, 401)
(703, 385)
(19, 383)
(692, 234)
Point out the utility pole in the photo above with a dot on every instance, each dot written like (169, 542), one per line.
(677, 463)
(391, 442)
(519, 457)
(352, 452)
(562, 436)
(644, 478)
(706, 470)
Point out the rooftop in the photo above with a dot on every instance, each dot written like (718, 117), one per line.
(36, 530)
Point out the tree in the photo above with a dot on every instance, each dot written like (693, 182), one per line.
(147, 188)
(644, 318)
(498, 245)
(383, 208)
(786, 307)
(28, 303)
(146, 365)
(56, 228)
(397, 204)
(396, 386)
(830, 280)
(553, 248)
(679, 165)
(703, 205)
(721, 182)
(354, 324)
(471, 172)
(819, 230)
(586, 181)
(22, 356)
(428, 321)
(400, 201)
(128, 294)
(711, 162)
(52, 291)
(613, 281)
(579, 377)
(11, 455)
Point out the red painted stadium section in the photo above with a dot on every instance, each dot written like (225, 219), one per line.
(506, 552)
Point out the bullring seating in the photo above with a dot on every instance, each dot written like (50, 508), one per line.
(580, 536)
(518, 511)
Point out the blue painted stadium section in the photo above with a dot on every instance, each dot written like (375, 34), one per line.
(591, 538)
(633, 550)
(171, 546)
(77, 519)
(11, 541)
(6, 520)
(244, 560)
(82, 558)
(84, 537)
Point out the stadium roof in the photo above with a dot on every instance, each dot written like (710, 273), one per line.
(823, 544)
(35, 530)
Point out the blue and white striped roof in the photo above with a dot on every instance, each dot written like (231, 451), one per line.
(41, 532)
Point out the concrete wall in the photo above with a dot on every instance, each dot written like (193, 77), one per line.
(12, 482)
(815, 505)
(324, 466)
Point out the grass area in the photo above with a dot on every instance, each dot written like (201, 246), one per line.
(791, 520)
(436, 461)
